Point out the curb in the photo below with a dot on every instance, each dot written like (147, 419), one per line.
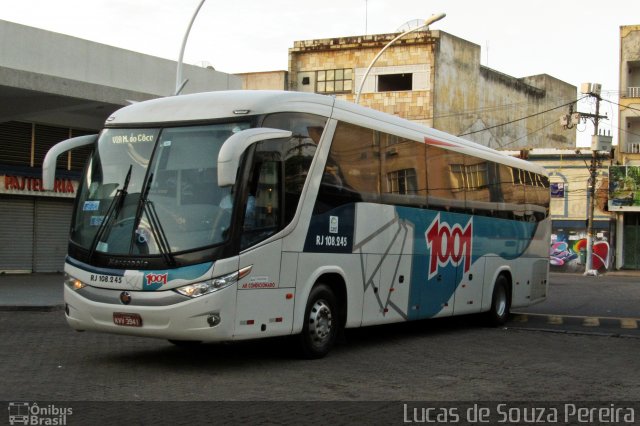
(31, 308)
(522, 320)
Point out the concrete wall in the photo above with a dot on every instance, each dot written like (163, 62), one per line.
(470, 97)
(268, 80)
(451, 90)
(51, 54)
(413, 54)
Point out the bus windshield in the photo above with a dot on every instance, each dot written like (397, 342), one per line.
(154, 191)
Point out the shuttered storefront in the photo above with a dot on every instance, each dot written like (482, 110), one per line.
(16, 234)
(34, 226)
(52, 220)
(34, 233)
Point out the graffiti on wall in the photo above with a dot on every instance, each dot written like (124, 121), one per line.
(568, 252)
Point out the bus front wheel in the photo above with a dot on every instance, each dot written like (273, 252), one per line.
(321, 323)
(500, 303)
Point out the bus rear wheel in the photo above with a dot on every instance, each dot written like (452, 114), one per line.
(500, 303)
(321, 323)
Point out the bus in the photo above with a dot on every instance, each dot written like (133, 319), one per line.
(245, 214)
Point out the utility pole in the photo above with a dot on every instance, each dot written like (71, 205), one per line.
(593, 90)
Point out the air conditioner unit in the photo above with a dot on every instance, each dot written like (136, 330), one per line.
(591, 88)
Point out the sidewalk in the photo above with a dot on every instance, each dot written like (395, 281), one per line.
(31, 292)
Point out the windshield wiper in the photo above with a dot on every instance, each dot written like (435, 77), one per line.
(112, 212)
(146, 206)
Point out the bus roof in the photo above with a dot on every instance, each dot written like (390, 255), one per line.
(200, 107)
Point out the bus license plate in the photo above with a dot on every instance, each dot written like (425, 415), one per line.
(127, 320)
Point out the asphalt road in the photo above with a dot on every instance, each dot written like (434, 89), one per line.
(453, 361)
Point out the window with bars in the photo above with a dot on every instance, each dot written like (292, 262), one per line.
(334, 81)
(470, 177)
(403, 181)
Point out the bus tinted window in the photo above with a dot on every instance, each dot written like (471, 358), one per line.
(403, 172)
(445, 179)
(352, 170)
(366, 165)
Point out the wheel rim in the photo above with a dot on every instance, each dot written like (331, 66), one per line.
(501, 301)
(320, 323)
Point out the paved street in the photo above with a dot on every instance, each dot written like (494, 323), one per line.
(439, 360)
(607, 305)
(442, 360)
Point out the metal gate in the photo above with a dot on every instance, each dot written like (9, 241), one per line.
(631, 239)
(52, 220)
(34, 233)
(16, 234)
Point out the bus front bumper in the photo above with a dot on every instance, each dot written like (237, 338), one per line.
(207, 318)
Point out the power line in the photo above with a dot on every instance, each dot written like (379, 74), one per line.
(491, 108)
(623, 106)
(522, 118)
(530, 133)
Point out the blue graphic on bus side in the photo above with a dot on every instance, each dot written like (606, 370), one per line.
(446, 245)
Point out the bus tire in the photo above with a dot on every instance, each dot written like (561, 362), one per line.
(321, 323)
(500, 303)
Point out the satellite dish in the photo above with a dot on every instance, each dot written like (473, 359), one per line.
(410, 25)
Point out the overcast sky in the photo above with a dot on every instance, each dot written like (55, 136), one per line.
(573, 40)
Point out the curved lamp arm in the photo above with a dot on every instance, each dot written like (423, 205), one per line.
(427, 22)
(179, 83)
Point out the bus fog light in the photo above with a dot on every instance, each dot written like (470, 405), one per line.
(213, 319)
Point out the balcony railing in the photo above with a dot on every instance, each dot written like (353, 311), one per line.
(632, 148)
(633, 92)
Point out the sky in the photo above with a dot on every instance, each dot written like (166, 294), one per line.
(573, 40)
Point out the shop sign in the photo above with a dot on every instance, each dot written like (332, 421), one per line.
(624, 188)
(29, 185)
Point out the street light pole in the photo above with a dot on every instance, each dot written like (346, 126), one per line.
(427, 22)
(179, 82)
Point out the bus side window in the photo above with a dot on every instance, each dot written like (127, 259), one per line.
(262, 211)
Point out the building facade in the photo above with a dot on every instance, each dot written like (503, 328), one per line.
(570, 202)
(624, 196)
(435, 78)
(265, 80)
(53, 87)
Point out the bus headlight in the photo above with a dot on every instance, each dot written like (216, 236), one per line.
(73, 283)
(209, 286)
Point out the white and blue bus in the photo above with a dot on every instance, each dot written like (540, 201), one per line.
(245, 214)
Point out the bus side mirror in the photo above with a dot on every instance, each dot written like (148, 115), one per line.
(236, 144)
(49, 163)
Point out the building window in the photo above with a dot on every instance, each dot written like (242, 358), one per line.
(395, 82)
(403, 181)
(334, 81)
(470, 177)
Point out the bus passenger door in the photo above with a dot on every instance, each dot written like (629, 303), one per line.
(264, 307)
